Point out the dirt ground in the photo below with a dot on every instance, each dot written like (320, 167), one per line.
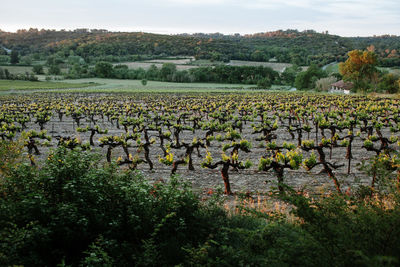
(249, 180)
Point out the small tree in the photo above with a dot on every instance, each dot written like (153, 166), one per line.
(306, 79)
(104, 70)
(389, 83)
(167, 71)
(264, 83)
(14, 57)
(38, 69)
(54, 70)
(359, 68)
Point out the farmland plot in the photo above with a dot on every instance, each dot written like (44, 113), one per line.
(251, 140)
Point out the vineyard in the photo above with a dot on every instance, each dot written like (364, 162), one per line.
(248, 141)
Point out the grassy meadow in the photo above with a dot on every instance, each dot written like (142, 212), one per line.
(9, 86)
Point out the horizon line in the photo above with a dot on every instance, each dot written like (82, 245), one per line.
(166, 32)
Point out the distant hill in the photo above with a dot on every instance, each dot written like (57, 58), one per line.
(289, 46)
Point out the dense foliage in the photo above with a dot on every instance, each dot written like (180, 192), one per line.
(169, 73)
(303, 48)
(74, 211)
(6, 75)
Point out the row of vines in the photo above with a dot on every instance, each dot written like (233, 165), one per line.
(257, 132)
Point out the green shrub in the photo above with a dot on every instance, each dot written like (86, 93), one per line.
(74, 211)
(58, 212)
(352, 231)
(10, 156)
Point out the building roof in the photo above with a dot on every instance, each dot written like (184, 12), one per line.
(343, 85)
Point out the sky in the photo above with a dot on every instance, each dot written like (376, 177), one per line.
(340, 17)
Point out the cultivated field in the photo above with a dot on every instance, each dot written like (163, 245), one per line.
(185, 64)
(146, 65)
(319, 141)
(25, 69)
(117, 85)
(99, 85)
(7, 86)
(280, 67)
(182, 61)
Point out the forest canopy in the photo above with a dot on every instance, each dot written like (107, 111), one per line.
(289, 46)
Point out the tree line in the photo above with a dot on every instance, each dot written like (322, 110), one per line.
(263, 76)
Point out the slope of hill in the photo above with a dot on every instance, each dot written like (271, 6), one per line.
(290, 46)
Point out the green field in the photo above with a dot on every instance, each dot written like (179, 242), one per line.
(280, 67)
(10, 86)
(92, 85)
(332, 68)
(391, 70)
(17, 69)
(115, 85)
(25, 69)
(205, 63)
(146, 65)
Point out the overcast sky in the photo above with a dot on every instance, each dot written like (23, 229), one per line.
(341, 17)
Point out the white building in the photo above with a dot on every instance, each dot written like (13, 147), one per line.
(341, 87)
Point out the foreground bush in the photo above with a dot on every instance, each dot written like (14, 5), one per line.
(71, 207)
(352, 231)
(75, 212)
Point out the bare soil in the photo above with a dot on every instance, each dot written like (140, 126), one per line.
(249, 180)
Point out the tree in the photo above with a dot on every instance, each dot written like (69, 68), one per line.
(389, 83)
(306, 79)
(54, 70)
(26, 60)
(288, 76)
(359, 68)
(167, 70)
(38, 69)
(104, 70)
(14, 57)
(264, 83)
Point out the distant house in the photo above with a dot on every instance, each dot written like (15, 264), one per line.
(5, 49)
(341, 87)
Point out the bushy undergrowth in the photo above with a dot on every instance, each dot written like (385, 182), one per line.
(74, 211)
